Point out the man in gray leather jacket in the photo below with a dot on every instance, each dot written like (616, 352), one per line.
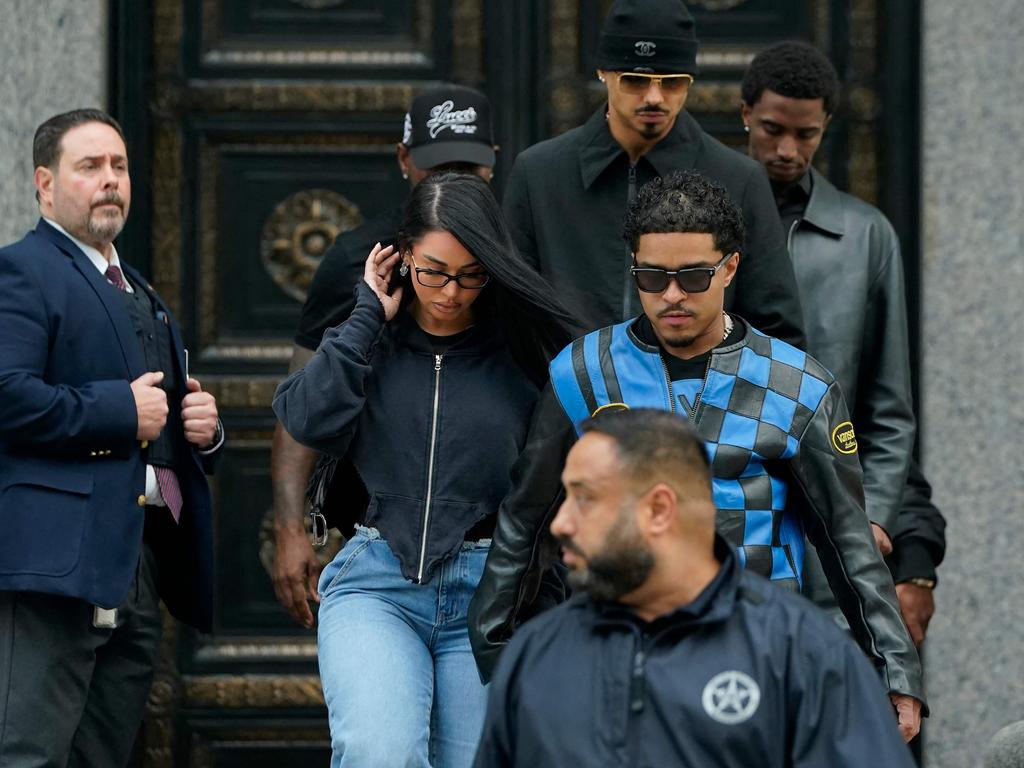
(846, 256)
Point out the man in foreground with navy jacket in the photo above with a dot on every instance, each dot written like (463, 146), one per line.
(671, 653)
(104, 445)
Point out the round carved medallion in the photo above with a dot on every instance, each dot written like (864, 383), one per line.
(298, 233)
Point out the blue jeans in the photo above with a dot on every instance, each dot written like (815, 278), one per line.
(398, 673)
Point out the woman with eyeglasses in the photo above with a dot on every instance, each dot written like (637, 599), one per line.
(427, 389)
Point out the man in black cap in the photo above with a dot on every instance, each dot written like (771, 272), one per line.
(446, 129)
(566, 197)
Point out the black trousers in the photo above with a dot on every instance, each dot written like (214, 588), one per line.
(72, 694)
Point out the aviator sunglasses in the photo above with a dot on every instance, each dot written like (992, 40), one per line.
(631, 82)
(690, 280)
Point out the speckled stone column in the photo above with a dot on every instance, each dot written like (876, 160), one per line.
(973, 374)
(54, 59)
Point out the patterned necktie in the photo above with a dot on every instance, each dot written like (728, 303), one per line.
(165, 477)
(116, 278)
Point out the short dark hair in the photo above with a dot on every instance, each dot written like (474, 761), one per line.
(792, 69)
(655, 446)
(685, 201)
(46, 144)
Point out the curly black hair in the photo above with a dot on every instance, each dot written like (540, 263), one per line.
(685, 201)
(792, 69)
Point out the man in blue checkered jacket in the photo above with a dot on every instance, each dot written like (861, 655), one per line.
(783, 451)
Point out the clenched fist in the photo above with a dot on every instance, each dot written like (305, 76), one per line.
(199, 414)
(150, 405)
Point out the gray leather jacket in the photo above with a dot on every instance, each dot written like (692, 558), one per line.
(847, 261)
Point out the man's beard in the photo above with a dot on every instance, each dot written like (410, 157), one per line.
(623, 565)
(106, 226)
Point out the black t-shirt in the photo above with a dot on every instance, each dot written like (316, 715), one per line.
(440, 344)
(332, 293)
(791, 199)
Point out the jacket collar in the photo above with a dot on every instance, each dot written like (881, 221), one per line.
(482, 337)
(713, 605)
(654, 349)
(825, 208)
(677, 151)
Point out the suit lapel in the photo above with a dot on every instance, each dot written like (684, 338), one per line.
(108, 296)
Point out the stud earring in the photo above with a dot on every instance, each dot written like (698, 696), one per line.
(601, 78)
(405, 175)
(404, 269)
(746, 128)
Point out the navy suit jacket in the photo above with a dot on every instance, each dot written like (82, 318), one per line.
(72, 473)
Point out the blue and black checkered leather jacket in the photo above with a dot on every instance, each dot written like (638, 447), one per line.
(784, 463)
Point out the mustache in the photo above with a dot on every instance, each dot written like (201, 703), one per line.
(675, 308)
(652, 110)
(110, 199)
(566, 543)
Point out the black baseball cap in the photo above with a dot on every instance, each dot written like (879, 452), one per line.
(449, 124)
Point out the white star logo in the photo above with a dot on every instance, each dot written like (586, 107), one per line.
(731, 697)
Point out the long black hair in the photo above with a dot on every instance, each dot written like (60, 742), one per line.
(521, 303)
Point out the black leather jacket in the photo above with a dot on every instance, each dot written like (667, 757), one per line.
(432, 436)
(825, 490)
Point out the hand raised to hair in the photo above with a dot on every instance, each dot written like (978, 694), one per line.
(377, 275)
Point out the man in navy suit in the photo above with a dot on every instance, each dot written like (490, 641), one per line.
(104, 447)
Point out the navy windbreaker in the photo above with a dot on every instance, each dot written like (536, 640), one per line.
(745, 675)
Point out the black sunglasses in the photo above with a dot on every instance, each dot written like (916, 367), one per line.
(690, 280)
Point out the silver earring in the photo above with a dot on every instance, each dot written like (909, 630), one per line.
(746, 128)
(404, 269)
(599, 77)
(405, 176)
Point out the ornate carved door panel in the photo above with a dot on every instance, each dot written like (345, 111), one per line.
(259, 129)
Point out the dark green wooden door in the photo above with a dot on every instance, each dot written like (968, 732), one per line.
(259, 129)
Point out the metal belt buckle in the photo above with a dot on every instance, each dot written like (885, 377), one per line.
(104, 618)
(319, 529)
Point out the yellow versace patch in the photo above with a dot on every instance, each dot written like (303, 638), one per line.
(844, 439)
(610, 407)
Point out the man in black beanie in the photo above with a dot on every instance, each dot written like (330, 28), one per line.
(566, 197)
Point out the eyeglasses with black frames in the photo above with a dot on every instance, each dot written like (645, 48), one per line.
(435, 278)
(636, 84)
(690, 280)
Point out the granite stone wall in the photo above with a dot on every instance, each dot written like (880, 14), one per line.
(973, 368)
(54, 59)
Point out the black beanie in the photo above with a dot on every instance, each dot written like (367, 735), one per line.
(654, 36)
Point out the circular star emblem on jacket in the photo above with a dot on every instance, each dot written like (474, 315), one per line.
(731, 697)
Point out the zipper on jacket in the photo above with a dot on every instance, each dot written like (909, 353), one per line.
(668, 383)
(789, 237)
(627, 295)
(700, 392)
(636, 683)
(430, 467)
